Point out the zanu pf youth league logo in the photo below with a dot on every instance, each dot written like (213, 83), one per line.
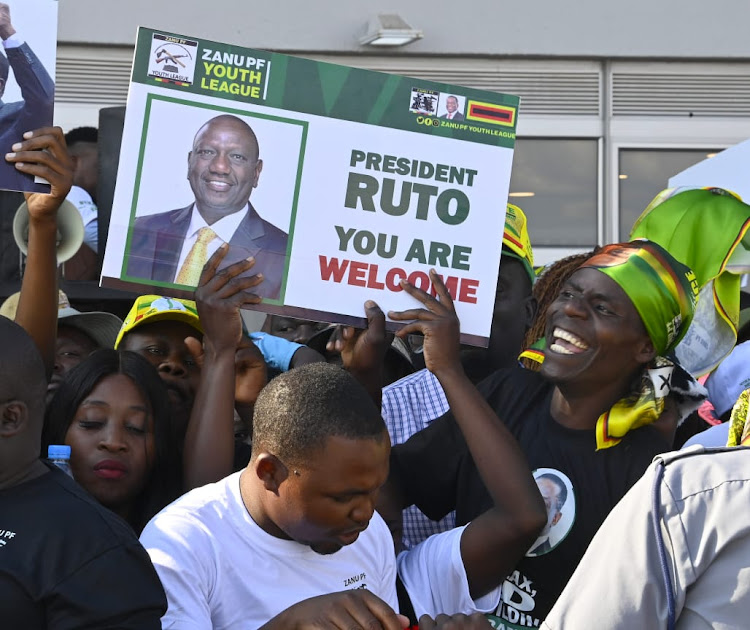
(172, 59)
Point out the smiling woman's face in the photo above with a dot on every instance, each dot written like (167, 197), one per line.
(594, 333)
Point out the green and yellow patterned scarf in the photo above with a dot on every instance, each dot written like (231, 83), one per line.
(707, 229)
(664, 292)
(739, 428)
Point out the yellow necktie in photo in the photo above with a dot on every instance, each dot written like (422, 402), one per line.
(190, 272)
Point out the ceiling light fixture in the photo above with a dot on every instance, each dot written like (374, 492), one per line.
(521, 194)
(389, 30)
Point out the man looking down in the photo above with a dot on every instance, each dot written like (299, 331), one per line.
(300, 511)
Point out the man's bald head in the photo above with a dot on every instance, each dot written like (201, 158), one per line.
(22, 389)
(22, 375)
(227, 121)
(224, 166)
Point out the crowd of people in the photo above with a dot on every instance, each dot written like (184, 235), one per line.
(308, 476)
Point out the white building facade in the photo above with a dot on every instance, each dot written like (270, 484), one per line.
(615, 98)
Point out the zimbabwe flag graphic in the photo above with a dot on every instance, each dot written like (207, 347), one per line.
(490, 113)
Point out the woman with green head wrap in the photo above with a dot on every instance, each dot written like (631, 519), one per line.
(607, 334)
(580, 419)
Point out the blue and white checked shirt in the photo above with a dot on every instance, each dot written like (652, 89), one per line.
(408, 406)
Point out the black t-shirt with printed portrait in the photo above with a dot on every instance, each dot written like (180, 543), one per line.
(67, 562)
(437, 474)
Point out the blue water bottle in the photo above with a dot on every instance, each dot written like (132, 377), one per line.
(59, 455)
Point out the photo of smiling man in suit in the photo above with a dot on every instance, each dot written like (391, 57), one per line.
(452, 110)
(224, 166)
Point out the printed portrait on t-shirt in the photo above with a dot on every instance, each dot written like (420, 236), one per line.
(557, 491)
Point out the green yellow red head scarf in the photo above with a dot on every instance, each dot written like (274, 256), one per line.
(739, 427)
(664, 293)
(708, 229)
(662, 289)
(516, 243)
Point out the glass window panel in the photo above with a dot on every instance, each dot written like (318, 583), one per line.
(554, 182)
(644, 173)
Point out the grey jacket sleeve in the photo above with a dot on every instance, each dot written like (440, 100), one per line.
(706, 534)
(37, 87)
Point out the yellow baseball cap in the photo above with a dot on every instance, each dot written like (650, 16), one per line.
(516, 241)
(154, 308)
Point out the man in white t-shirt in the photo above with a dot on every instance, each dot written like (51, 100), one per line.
(294, 524)
(272, 545)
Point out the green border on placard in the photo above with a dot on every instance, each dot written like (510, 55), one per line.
(136, 189)
(305, 86)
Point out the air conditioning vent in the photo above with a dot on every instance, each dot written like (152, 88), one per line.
(544, 90)
(542, 93)
(93, 80)
(671, 94)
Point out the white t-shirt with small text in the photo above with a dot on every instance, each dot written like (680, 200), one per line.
(434, 576)
(221, 570)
